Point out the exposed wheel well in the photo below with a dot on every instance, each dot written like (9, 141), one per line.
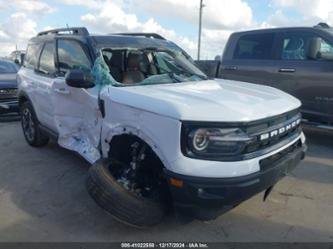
(120, 143)
(121, 149)
(22, 99)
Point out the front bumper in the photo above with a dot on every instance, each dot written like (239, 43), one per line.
(9, 106)
(206, 198)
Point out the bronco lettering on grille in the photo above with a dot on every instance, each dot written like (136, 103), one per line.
(280, 131)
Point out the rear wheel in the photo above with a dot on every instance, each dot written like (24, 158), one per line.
(30, 127)
(134, 192)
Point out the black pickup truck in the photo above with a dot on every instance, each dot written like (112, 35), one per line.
(297, 60)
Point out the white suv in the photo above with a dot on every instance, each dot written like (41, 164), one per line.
(159, 133)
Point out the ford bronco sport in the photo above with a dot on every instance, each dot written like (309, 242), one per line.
(159, 134)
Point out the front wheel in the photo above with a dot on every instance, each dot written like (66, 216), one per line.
(30, 127)
(125, 205)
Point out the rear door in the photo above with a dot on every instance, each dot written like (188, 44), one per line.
(249, 57)
(26, 75)
(307, 77)
(44, 78)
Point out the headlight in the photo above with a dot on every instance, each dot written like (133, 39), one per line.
(200, 139)
(214, 142)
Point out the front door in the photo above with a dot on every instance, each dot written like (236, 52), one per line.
(77, 117)
(307, 74)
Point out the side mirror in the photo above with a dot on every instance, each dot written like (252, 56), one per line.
(218, 58)
(314, 48)
(16, 61)
(76, 78)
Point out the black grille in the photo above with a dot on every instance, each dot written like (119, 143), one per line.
(289, 122)
(8, 93)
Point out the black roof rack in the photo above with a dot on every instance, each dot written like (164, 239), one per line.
(73, 31)
(147, 35)
(322, 25)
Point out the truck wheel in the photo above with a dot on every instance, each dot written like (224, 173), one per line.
(31, 130)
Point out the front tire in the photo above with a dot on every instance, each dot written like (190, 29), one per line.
(124, 205)
(30, 126)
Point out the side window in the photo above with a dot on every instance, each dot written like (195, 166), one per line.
(325, 51)
(71, 55)
(295, 44)
(305, 46)
(46, 62)
(30, 59)
(255, 47)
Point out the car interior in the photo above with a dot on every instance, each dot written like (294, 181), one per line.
(129, 66)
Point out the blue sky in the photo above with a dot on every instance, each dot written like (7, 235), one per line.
(177, 20)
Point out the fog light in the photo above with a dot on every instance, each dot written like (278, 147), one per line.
(200, 191)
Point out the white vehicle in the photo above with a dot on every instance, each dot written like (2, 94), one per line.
(159, 134)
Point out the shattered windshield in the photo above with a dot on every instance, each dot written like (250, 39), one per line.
(149, 66)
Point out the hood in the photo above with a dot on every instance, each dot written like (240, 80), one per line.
(211, 100)
(8, 80)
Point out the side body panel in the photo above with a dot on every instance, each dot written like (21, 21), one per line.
(27, 85)
(43, 94)
(161, 133)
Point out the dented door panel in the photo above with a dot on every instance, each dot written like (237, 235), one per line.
(77, 119)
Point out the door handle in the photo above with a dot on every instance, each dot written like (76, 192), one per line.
(230, 68)
(61, 91)
(287, 70)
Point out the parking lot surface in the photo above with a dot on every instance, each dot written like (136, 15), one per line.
(43, 198)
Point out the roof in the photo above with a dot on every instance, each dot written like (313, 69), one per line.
(122, 41)
(135, 40)
(317, 27)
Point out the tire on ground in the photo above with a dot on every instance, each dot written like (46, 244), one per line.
(39, 139)
(123, 205)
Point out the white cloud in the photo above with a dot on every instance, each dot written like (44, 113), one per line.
(20, 26)
(116, 16)
(310, 13)
(217, 14)
(317, 8)
(220, 17)
(111, 18)
(35, 7)
(92, 4)
(16, 30)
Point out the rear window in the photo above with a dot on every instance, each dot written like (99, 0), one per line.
(30, 59)
(255, 47)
